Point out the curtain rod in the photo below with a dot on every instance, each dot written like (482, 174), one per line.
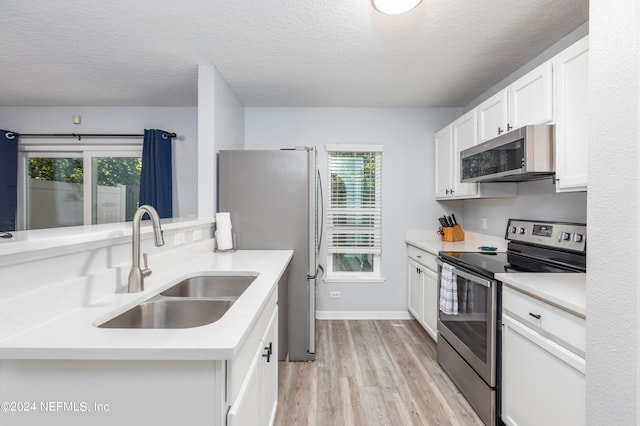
(11, 135)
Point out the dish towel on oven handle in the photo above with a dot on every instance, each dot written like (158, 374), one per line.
(448, 290)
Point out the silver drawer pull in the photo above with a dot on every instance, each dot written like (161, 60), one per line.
(536, 316)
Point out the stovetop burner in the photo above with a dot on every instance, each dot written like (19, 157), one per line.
(534, 246)
(489, 264)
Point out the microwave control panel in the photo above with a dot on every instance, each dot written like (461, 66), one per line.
(562, 235)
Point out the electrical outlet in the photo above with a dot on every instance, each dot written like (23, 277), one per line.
(178, 238)
(197, 235)
(334, 295)
(484, 223)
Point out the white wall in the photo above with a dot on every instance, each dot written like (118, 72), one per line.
(612, 208)
(536, 200)
(181, 120)
(220, 126)
(407, 192)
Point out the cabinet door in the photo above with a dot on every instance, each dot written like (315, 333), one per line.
(270, 371)
(431, 302)
(465, 135)
(258, 396)
(443, 163)
(492, 116)
(572, 114)
(542, 382)
(415, 302)
(246, 409)
(531, 98)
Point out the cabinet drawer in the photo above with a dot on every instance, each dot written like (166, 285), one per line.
(422, 257)
(566, 329)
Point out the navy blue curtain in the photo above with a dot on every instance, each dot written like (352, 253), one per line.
(8, 180)
(156, 178)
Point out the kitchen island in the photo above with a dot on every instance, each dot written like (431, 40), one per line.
(64, 370)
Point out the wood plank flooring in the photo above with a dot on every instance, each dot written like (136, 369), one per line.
(370, 373)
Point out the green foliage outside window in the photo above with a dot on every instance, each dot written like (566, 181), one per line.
(57, 169)
(111, 170)
(124, 171)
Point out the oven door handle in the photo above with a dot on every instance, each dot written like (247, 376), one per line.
(474, 278)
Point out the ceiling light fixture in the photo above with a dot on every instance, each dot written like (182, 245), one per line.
(394, 7)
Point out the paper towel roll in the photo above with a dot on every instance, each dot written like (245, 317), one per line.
(224, 236)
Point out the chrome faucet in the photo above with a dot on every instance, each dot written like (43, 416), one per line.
(136, 276)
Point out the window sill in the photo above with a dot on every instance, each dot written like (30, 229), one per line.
(355, 279)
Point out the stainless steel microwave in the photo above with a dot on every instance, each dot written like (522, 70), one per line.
(522, 154)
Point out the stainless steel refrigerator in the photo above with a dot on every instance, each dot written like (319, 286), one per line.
(274, 198)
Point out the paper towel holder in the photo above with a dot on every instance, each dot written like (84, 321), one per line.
(229, 250)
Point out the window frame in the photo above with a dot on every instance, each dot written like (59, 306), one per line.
(85, 151)
(357, 276)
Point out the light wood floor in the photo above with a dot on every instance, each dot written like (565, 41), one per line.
(370, 373)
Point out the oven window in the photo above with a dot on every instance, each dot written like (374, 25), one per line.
(471, 322)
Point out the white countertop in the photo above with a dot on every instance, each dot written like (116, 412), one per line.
(39, 243)
(75, 336)
(432, 243)
(566, 291)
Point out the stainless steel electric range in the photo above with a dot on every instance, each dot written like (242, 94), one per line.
(469, 318)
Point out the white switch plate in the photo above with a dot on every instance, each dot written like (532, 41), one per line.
(334, 295)
(178, 239)
(197, 234)
(484, 223)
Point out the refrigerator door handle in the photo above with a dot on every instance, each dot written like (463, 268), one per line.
(321, 209)
(319, 273)
(312, 316)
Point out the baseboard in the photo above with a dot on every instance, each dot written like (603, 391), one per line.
(363, 315)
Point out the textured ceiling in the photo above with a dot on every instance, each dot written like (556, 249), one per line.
(272, 53)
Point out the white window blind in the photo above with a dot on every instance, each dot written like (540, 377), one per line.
(354, 211)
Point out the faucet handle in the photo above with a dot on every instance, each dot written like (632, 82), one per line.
(146, 271)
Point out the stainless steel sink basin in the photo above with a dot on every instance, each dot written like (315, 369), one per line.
(170, 313)
(228, 287)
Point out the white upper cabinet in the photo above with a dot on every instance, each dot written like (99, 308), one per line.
(443, 162)
(492, 116)
(572, 114)
(464, 136)
(529, 100)
(555, 92)
(459, 135)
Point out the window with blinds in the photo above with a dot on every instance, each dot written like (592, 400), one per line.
(354, 210)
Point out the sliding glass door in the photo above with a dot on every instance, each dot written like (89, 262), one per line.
(66, 188)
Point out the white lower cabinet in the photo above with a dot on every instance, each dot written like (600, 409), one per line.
(543, 381)
(423, 289)
(257, 398)
(430, 317)
(269, 388)
(238, 391)
(416, 289)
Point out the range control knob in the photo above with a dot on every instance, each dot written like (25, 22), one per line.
(564, 236)
(512, 229)
(576, 237)
(520, 231)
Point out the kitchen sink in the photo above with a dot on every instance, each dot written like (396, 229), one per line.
(192, 302)
(170, 313)
(225, 287)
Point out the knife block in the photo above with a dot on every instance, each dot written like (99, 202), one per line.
(453, 233)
